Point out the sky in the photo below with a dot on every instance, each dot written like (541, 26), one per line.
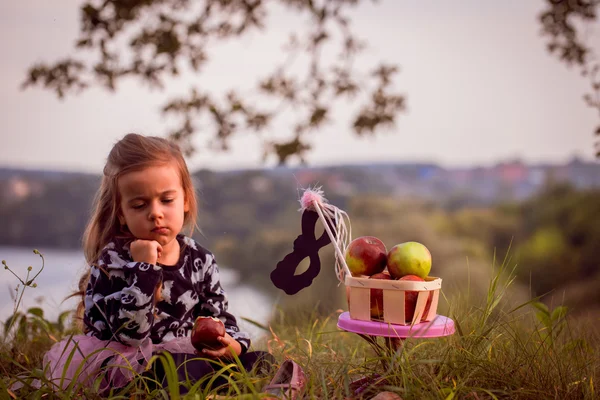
(479, 84)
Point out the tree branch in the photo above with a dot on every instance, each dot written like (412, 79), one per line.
(153, 40)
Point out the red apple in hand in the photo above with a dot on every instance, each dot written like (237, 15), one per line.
(410, 299)
(366, 255)
(205, 332)
(377, 296)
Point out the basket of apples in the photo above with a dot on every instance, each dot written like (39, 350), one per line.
(391, 286)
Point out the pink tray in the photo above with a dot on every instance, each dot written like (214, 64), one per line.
(438, 327)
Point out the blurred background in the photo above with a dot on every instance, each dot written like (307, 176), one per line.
(469, 126)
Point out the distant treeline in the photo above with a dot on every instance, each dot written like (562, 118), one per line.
(249, 219)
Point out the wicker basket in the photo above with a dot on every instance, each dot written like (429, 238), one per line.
(359, 299)
(359, 289)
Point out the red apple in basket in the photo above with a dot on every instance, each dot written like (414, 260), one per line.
(410, 299)
(377, 296)
(205, 332)
(366, 255)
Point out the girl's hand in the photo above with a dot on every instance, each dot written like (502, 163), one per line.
(148, 251)
(230, 346)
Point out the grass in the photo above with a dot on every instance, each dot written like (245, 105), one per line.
(499, 351)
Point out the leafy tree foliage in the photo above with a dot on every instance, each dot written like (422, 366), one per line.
(553, 237)
(153, 40)
(562, 23)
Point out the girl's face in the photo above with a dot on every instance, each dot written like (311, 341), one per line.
(153, 203)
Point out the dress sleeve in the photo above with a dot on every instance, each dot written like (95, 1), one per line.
(119, 299)
(214, 302)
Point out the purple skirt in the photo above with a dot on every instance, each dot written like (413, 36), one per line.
(83, 358)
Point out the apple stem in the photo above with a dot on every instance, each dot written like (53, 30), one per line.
(334, 241)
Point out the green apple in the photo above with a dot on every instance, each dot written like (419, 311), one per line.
(410, 258)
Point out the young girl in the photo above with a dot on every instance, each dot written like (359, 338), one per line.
(147, 282)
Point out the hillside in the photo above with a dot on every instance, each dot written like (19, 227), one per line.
(49, 208)
(467, 217)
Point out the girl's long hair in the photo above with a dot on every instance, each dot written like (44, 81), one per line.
(132, 153)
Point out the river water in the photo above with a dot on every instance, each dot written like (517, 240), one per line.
(64, 267)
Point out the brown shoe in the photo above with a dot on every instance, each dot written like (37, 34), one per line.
(288, 382)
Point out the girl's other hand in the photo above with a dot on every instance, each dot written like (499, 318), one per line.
(230, 345)
(148, 251)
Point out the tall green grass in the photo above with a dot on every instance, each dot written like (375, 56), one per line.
(500, 350)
